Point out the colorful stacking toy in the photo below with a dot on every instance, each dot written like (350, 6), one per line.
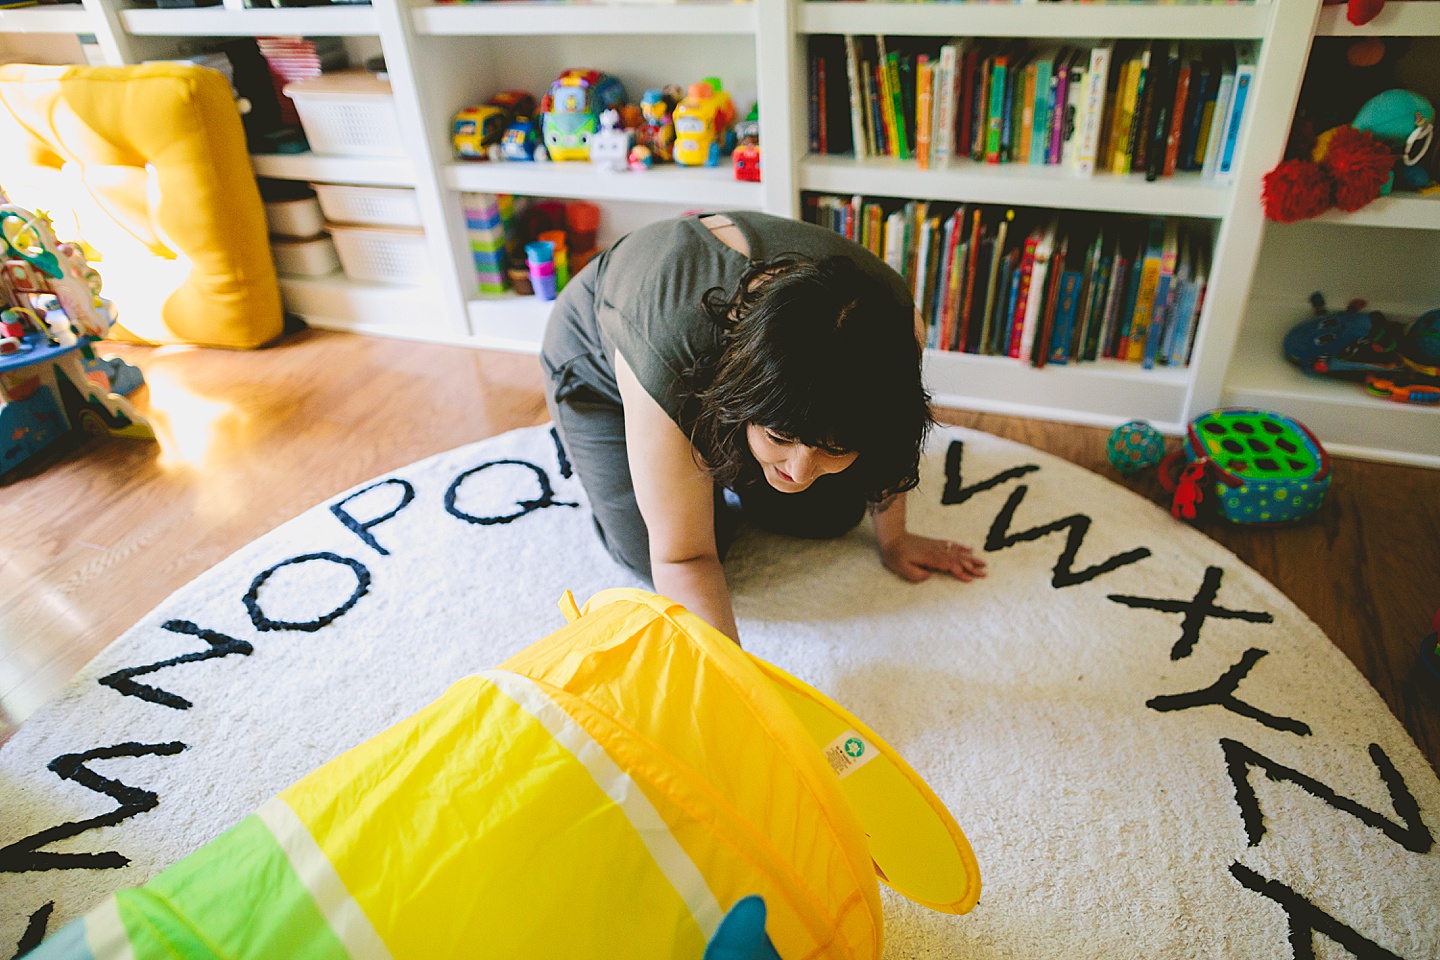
(634, 785)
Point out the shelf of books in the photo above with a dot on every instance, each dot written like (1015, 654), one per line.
(370, 171)
(715, 187)
(1345, 418)
(57, 18)
(1147, 126)
(339, 20)
(1192, 21)
(626, 19)
(1398, 18)
(1053, 307)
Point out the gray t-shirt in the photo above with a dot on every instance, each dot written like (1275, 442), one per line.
(643, 298)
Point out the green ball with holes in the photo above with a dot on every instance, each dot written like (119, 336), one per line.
(1134, 446)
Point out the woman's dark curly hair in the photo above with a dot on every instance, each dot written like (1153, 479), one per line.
(816, 351)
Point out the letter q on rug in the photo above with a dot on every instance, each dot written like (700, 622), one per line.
(1152, 752)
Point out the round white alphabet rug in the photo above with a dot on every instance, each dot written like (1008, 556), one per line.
(1152, 751)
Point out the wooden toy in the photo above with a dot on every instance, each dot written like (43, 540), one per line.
(1262, 467)
(570, 112)
(51, 383)
(703, 122)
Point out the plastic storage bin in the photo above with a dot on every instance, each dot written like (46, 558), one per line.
(294, 218)
(315, 257)
(396, 255)
(376, 206)
(349, 113)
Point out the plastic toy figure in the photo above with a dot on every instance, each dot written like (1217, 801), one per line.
(640, 157)
(703, 122)
(570, 112)
(657, 131)
(610, 146)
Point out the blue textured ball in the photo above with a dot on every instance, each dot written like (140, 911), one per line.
(1134, 446)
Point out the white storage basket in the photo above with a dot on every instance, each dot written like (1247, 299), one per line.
(349, 113)
(376, 206)
(395, 255)
(315, 257)
(294, 218)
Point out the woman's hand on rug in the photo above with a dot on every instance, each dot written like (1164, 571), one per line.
(915, 557)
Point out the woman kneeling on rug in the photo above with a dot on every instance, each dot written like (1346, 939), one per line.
(740, 366)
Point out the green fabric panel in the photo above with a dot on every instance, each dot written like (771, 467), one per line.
(236, 898)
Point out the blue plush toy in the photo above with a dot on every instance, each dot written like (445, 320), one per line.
(1134, 446)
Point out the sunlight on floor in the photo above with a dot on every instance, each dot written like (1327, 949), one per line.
(188, 425)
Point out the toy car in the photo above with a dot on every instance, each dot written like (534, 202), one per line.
(570, 113)
(478, 128)
(521, 140)
(703, 125)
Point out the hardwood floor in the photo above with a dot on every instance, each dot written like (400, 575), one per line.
(99, 534)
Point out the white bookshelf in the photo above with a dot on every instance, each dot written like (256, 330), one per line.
(442, 56)
(69, 18)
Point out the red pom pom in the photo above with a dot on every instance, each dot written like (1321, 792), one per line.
(1360, 12)
(1296, 190)
(1359, 164)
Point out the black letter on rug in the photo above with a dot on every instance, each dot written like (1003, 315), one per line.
(561, 460)
(1078, 525)
(955, 490)
(546, 498)
(24, 855)
(1412, 834)
(34, 930)
(220, 646)
(1306, 919)
(264, 623)
(1221, 693)
(362, 530)
(1197, 610)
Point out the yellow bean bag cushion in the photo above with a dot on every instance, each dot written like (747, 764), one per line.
(147, 165)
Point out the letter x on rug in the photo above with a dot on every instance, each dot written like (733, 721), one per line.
(1152, 751)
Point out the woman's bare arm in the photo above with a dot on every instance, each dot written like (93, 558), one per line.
(676, 497)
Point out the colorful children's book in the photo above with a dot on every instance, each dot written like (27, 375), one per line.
(1065, 308)
(992, 280)
(924, 95)
(1035, 292)
(1160, 310)
(1164, 102)
(1245, 57)
(1178, 105)
(944, 102)
(1119, 161)
(1043, 336)
(1026, 271)
(1092, 109)
(968, 306)
(857, 109)
(1214, 138)
(1042, 99)
(1149, 273)
(1074, 104)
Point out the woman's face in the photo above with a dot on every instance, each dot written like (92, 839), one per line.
(789, 465)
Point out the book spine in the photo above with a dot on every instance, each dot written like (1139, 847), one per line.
(1144, 304)
(1065, 316)
(1057, 111)
(944, 135)
(1244, 76)
(1177, 123)
(924, 96)
(1137, 120)
(897, 107)
(852, 81)
(967, 301)
(995, 117)
(1022, 296)
(1217, 125)
(1041, 97)
(1093, 109)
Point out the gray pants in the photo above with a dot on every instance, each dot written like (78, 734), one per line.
(588, 415)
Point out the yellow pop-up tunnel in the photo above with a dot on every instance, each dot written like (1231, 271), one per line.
(610, 791)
